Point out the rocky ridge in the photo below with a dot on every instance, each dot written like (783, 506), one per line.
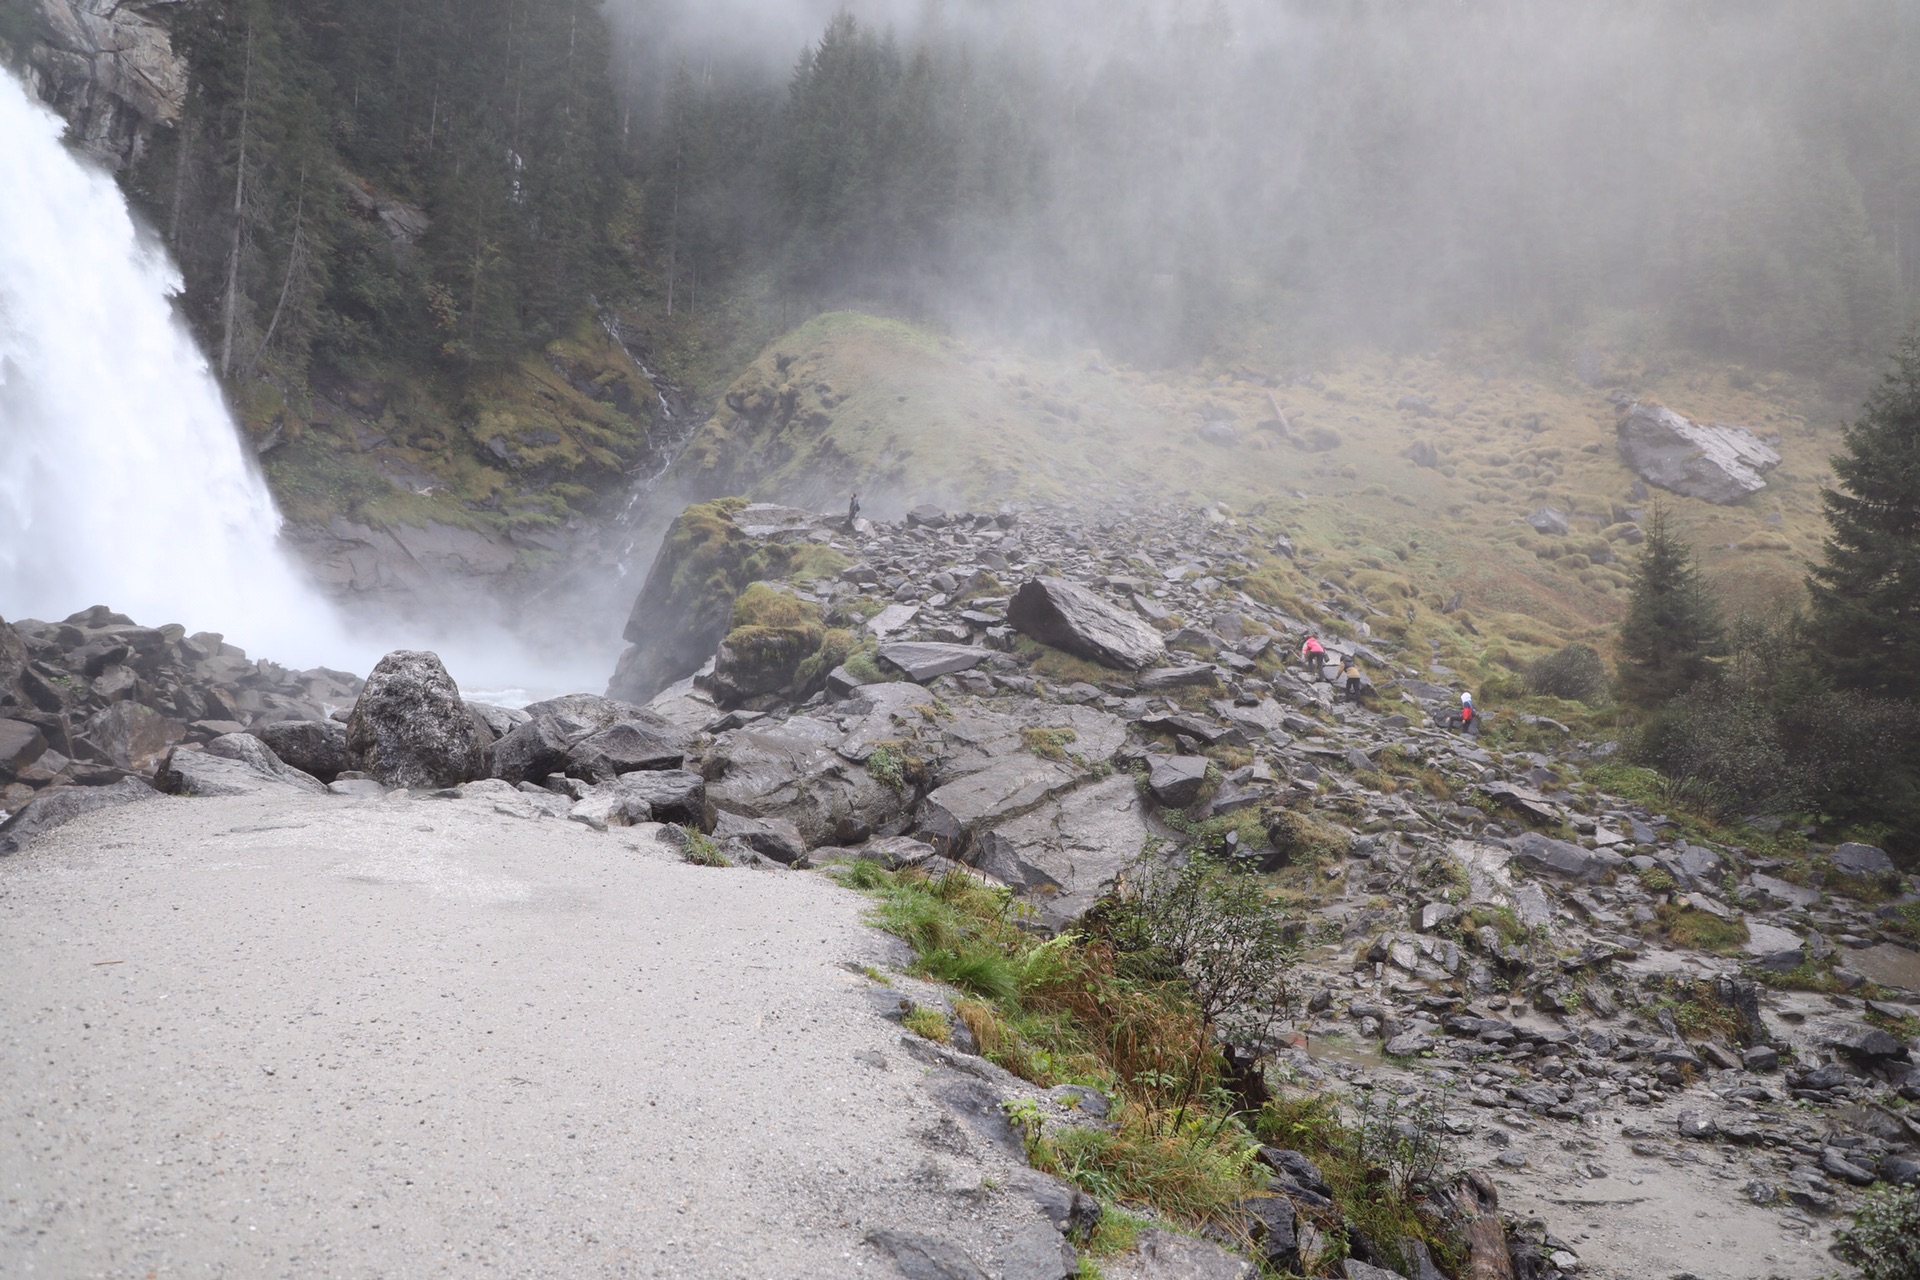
(1477, 925)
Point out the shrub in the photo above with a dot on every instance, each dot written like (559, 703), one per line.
(1575, 673)
(1214, 927)
(1884, 1240)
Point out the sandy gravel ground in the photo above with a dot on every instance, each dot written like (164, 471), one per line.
(302, 1036)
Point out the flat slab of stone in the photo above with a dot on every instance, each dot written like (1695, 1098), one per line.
(1563, 860)
(1888, 965)
(924, 660)
(892, 619)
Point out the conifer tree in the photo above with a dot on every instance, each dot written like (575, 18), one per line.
(1672, 631)
(1866, 590)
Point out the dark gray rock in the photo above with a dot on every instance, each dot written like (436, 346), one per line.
(1861, 860)
(317, 747)
(1274, 1225)
(1761, 1057)
(58, 805)
(1837, 1164)
(1165, 1256)
(1070, 617)
(1549, 521)
(788, 773)
(674, 795)
(1869, 1046)
(1073, 1213)
(773, 838)
(923, 661)
(1176, 780)
(20, 744)
(1564, 861)
(1067, 852)
(628, 747)
(246, 749)
(531, 751)
(411, 729)
(1717, 464)
(133, 736)
(500, 720)
(923, 1257)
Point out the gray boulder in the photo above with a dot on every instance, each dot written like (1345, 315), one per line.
(1163, 1255)
(1070, 617)
(58, 805)
(133, 736)
(1004, 790)
(1564, 861)
(246, 749)
(1549, 521)
(20, 745)
(500, 720)
(1176, 780)
(318, 747)
(531, 752)
(789, 773)
(1066, 853)
(1861, 860)
(410, 728)
(1715, 463)
(624, 748)
(774, 838)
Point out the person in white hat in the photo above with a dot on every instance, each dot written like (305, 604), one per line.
(1469, 718)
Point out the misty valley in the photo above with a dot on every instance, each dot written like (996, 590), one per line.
(1164, 640)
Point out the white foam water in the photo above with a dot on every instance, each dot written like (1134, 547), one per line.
(123, 480)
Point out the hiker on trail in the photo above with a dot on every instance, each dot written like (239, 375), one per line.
(853, 510)
(1469, 718)
(1350, 672)
(1314, 654)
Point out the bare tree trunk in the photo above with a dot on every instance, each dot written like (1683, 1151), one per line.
(239, 196)
(182, 163)
(286, 284)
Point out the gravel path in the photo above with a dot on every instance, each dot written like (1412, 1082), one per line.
(298, 1036)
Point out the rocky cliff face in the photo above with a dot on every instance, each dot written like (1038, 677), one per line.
(109, 67)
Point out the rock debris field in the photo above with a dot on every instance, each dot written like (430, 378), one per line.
(392, 983)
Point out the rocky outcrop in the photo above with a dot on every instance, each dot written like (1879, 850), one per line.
(1070, 617)
(58, 805)
(712, 553)
(96, 698)
(409, 727)
(110, 68)
(1714, 463)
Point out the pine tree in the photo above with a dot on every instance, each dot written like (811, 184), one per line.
(1866, 590)
(1672, 631)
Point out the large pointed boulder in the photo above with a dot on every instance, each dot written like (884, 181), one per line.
(1070, 617)
(410, 728)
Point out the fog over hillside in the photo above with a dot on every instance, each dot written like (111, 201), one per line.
(1170, 178)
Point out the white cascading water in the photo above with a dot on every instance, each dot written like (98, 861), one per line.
(123, 480)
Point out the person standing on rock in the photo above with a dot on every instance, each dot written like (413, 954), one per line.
(853, 511)
(1350, 673)
(1314, 654)
(1469, 718)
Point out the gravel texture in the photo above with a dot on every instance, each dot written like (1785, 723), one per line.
(290, 1035)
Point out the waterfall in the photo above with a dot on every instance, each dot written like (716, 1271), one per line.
(123, 481)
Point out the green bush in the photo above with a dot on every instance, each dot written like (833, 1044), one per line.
(1576, 673)
(1884, 1240)
(1216, 928)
